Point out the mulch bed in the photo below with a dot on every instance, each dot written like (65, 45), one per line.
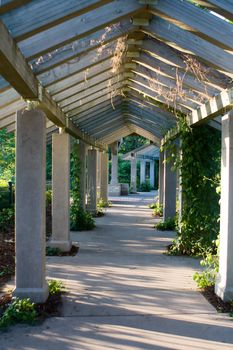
(7, 256)
(52, 307)
(214, 300)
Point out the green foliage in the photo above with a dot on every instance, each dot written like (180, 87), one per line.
(55, 287)
(7, 219)
(7, 155)
(157, 209)
(49, 162)
(167, 225)
(145, 186)
(200, 173)
(51, 251)
(48, 198)
(131, 142)
(19, 311)
(123, 170)
(102, 204)
(79, 218)
(211, 266)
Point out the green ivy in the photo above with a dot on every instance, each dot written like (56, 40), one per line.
(200, 172)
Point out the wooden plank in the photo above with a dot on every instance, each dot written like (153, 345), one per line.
(167, 71)
(93, 103)
(96, 121)
(107, 92)
(184, 40)
(78, 27)
(144, 133)
(164, 93)
(146, 93)
(13, 67)
(80, 77)
(173, 57)
(7, 97)
(115, 135)
(216, 106)
(83, 63)
(223, 7)
(105, 122)
(154, 127)
(143, 129)
(4, 85)
(90, 90)
(9, 5)
(196, 20)
(83, 45)
(157, 82)
(40, 15)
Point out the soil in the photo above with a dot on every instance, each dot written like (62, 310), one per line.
(52, 307)
(213, 299)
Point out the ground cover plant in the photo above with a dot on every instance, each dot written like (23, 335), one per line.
(14, 310)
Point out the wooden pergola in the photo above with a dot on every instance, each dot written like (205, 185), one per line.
(99, 70)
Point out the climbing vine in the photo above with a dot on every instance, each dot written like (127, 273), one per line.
(79, 218)
(199, 168)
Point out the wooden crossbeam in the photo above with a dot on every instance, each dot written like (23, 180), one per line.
(184, 40)
(216, 106)
(223, 7)
(67, 32)
(16, 71)
(196, 20)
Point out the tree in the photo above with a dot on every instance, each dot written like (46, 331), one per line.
(131, 142)
(7, 155)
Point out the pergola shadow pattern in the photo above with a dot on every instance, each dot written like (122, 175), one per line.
(99, 70)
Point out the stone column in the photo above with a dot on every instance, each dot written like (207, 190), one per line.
(152, 173)
(169, 194)
(224, 283)
(142, 171)
(61, 192)
(104, 176)
(161, 177)
(30, 205)
(98, 180)
(82, 155)
(114, 173)
(133, 181)
(92, 181)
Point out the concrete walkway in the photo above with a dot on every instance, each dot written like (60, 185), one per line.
(124, 293)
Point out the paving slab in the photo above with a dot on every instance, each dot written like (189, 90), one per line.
(125, 293)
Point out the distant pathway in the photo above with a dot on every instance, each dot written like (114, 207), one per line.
(124, 293)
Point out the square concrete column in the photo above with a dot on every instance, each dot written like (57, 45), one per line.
(142, 171)
(104, 176)
(152, 173)
(161, 177)
(133, 175)
(61, 192)
(92, 181)
(224, 283)
(114, 173)
(82, 155)
(30, 205)
(169, 194)
(98, 174)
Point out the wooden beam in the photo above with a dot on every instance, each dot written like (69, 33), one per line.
(67, 32)
(196, 20)
(81, 46)
(14, 68)
(223, 7)
(216, 106)
(168, 55)
(184, 40)
(41, 15)
(82, 64)
(9, 5)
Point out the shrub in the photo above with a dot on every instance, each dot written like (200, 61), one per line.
(55, 287)
(167, 225)
(51, 251)
(80, 219)
(102, 204)
(48, 198)
(145, 187)
(7, 219)
(18, 311)
(158, 210)
(211, 264)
